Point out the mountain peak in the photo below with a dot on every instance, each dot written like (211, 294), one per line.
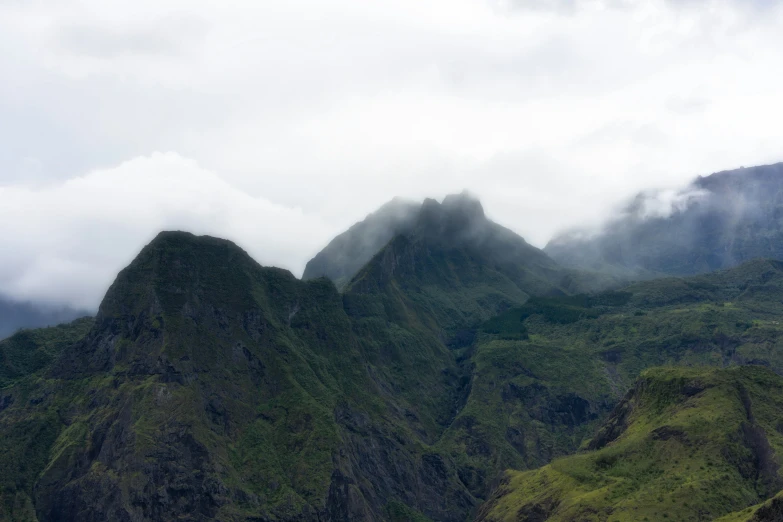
(349, 251)
(459, 216)
(465, 202)
(171, 264)
(167, 239)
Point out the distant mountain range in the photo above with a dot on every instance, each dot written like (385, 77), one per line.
(21, 314)
(716, 222)
(431, 366)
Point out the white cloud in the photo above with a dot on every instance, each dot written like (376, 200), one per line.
(552, 111)
(65, 242)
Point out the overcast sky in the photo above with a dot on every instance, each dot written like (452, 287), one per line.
(278, 124)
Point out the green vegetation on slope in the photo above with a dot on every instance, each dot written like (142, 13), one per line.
(686, 444)
(546, 374)
(210, 387)
(768, 511)
(29, 351)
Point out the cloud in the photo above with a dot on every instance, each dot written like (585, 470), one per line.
(553, 112)
(663, 203)
(167, 36)
(65, 242)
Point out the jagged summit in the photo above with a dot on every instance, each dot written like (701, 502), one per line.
(465, 202)
(459, 219)
(173, 264)
(178, 285)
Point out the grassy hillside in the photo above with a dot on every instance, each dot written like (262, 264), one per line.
(685, 444)
(768, 511)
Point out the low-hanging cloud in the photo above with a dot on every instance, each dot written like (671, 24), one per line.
(663, 203)
(65, 242)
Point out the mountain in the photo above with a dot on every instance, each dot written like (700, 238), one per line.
(15, 315)
(546, 374)
(422, 295)
(458, 223)
(769, 511)
(716, 222)
(684, 444)
(209, 387)
(347, 253)
(457, 226)
(292, 400)
(29, 352)
(452, 250)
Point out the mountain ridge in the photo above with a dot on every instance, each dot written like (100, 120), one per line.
(16, 315)
(210, 387)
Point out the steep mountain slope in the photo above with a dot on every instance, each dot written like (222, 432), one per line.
(769, 511)
(413, 304)
(685, 444)
(15, 315)
(455, 266)
(212, 388)
(544, 375)
(347, 253)
(291, 400)
(716, 222)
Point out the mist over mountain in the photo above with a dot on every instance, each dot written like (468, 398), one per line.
(411, 236)
(716, 222)
(342, 258)
(15, 315)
